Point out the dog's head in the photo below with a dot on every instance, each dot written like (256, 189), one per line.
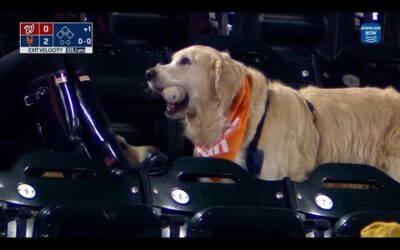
(198, 79)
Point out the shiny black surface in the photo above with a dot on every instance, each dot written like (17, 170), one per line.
(97, 220)
(98, 134)
(57, 110)
(383, 196)
(247, 191)
(84, 180)
(245, 222)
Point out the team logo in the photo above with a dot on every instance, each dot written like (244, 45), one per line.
(29, 40)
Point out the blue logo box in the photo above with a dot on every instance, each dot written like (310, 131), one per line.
(29, 41)
(371, 33)
(73, 34)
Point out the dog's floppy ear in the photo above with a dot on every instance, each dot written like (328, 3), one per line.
(228, 77)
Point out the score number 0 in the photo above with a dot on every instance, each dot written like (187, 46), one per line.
(46, 40)
(88, 41)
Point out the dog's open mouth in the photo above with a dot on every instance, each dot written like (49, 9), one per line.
(176, 98)
(174, 108)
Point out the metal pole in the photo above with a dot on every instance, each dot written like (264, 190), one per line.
(222, 19)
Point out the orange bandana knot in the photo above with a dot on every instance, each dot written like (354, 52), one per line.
(233, 134)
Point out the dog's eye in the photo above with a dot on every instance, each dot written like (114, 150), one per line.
(185, 60)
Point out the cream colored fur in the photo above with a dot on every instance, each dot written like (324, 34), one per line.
(135, 154)
(351, 125)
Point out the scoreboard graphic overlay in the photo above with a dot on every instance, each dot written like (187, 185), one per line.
(56, 38)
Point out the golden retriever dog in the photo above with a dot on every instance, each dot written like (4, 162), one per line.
(349, 125)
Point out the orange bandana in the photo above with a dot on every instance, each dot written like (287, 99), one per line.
(229, 145)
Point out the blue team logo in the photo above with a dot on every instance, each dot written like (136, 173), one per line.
(371, 33)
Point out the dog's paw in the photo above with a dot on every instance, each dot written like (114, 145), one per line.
(135, 154)
(122, 141)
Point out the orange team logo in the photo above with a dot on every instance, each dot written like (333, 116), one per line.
(29, 40)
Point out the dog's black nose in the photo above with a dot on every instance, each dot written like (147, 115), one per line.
(150, 74)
